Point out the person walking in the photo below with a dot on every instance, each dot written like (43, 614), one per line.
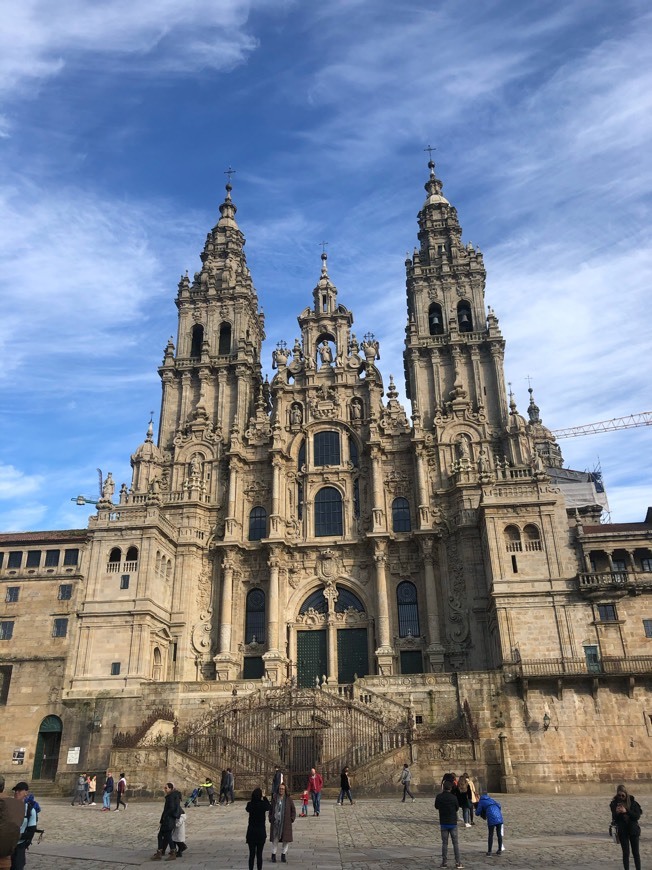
(210, 790)
(315, 785)
(258, 808)
(462, 792)
(179, 835)
(108, 791)
(171, 812)
(475, 797)
(27, 828)
(345, 787)
(277, 779)
(405, 779)
(223, 795)
(80, 790)
(447, 806)
(281, 818)
(305, 797)
(230, 784)
(490, 810)
(120, 792)
(92, 789)
(625, 813)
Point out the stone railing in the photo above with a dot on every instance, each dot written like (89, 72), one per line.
(580, 667)
(591, 580)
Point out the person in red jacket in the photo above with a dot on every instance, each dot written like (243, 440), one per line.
(315, 785)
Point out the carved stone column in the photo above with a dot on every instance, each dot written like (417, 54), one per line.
(435, 650)
(231, 522)
(384, 654)
(225, 661)
(330, 594)
(275, 517)
(275, 664)
(378, 511)
(422, 490)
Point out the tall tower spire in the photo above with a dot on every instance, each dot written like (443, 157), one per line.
(211, 379)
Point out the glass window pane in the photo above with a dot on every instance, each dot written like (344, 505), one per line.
(51, 558)
(408, 610)
(15, 559)
(255, 620)
(33, 558)
(401, 515)
(327, 448)
(257, 524)
(65, 592)
(316, 601)
(71, 557)
(347, 600)
(328, 512)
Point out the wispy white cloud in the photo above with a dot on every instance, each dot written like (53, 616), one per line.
(16, 484)
(39, 39)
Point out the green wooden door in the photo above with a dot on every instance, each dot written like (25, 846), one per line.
(352, 654)
(312, 657)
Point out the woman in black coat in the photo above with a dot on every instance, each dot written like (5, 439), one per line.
(258, 807)
(171, 812)
(625, 813)
(345, 787)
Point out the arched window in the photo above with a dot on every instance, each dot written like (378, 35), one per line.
(326, 448)
(532, 537)
(157, 567)
(346, 600)
(401, 515)
(435, 319)
(356, 498)
(257, 524)
(197, 340)
(132, 554)
(316, 601)
(464, 317)
(224, 346)
(513, 539)
(301, 461)
(115, 555)
(156, 667)
(328, 512)
(408, 609)
(255, 618)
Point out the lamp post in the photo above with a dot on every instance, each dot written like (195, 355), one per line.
(546, 721)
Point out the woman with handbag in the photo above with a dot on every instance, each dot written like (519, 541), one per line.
(625, 813)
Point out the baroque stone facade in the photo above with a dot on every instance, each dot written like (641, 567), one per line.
(307, 531)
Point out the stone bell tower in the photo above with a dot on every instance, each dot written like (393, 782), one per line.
(213, 376)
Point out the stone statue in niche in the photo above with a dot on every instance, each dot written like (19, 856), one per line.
(296, 415)
(325, 353)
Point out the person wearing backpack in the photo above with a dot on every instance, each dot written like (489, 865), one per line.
(27, 828)
(11, 819)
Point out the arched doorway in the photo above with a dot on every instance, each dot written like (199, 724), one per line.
(331, 637)
(46, 758)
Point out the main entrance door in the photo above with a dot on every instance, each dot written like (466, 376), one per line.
(312, 657)
(46, 758)
(352, 654)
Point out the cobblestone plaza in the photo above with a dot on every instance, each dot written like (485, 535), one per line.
(540, 832)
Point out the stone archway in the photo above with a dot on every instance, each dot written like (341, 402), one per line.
(48, 743)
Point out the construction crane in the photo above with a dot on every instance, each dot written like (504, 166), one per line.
(630, 422)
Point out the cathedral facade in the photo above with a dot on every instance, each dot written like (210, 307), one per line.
(309, 534)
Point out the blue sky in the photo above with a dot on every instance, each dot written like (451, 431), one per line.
(118, 119)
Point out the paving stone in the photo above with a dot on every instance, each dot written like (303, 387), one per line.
(540, 832)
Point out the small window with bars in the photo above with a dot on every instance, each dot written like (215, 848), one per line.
(65, 592)
(12, 594)
(60, 627)
(6, 630)
(115, 669)
(647, 627)
(124, 581)
(607, 613)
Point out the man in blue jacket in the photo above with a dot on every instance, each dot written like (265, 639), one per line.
(27, 829)
(489, 809)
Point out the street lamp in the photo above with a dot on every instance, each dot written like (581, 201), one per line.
(546, 721)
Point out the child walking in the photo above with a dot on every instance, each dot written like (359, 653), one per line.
(304, 802)
(490, 810)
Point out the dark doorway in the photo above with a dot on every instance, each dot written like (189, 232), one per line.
(312, 658)
(46, 758)
(352, 654)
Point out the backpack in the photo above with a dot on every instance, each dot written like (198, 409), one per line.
(28, 834)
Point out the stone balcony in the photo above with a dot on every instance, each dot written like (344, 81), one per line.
(566, 670)
(595, 584)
